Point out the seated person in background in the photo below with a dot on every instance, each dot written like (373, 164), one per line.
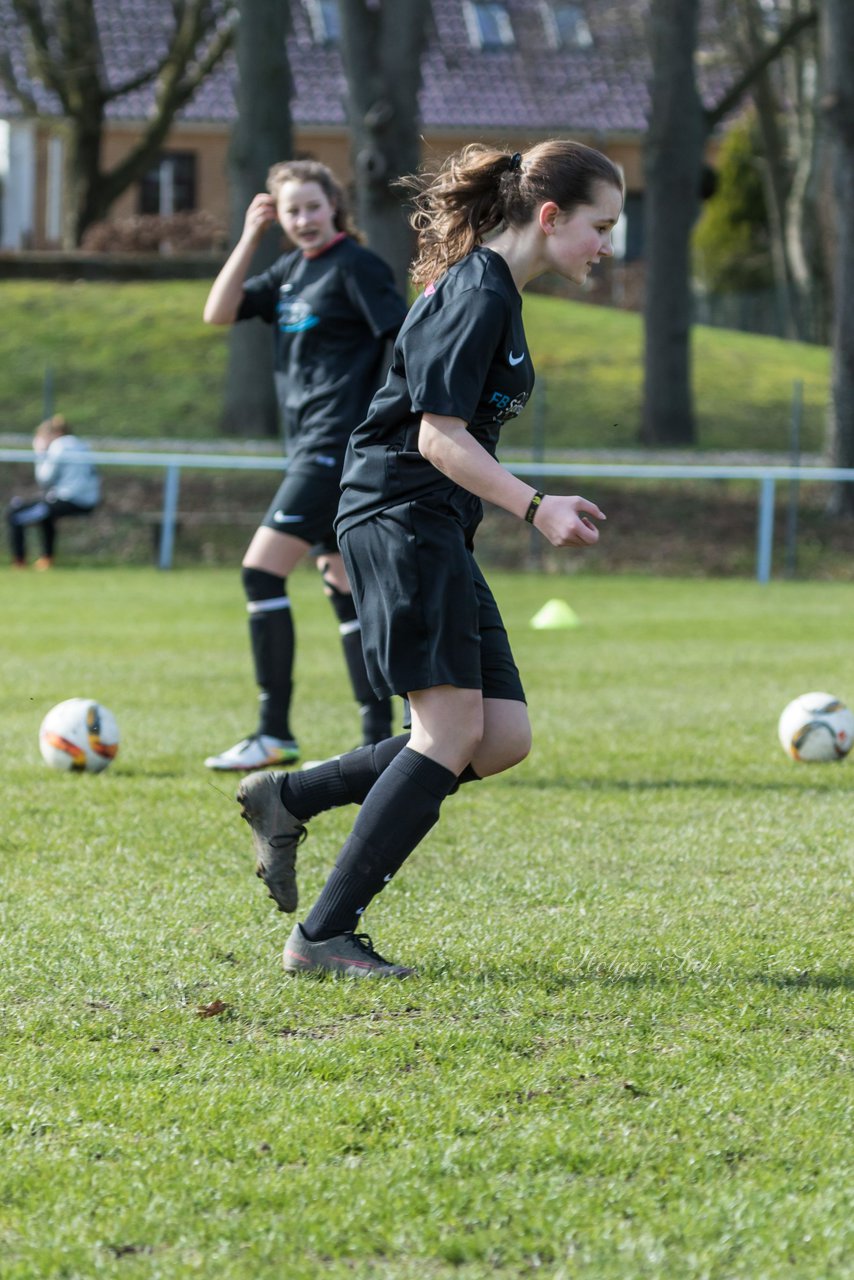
(69, 485)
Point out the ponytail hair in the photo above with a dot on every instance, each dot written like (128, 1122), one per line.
(314, 171)
(481, 189)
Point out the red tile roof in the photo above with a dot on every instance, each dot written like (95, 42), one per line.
(527, 87)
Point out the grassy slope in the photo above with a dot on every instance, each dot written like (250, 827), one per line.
(135, 359)
(627, 1051)
(127, 359)
(591, 359)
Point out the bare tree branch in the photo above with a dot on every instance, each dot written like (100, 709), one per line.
(10, 84)
(737, 90)
(198, 70)
(63, 52)
(41, 58)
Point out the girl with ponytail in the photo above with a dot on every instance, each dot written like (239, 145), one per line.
(416, 473)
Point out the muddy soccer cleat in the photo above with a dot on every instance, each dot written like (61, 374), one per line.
(256, 752)
(348, 955)
(275, 835)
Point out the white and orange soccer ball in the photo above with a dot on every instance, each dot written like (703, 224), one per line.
(79, 736)
(815, 728)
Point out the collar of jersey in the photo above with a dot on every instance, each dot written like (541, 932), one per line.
(342, 235)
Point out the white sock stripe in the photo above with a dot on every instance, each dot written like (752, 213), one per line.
(268, 606)
(347, 628)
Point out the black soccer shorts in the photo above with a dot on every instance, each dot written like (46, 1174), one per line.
(427, 614)
(305, 506)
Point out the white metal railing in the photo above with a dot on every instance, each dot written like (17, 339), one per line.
(766, 476)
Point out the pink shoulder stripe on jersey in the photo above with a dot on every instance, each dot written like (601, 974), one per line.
(330, 244)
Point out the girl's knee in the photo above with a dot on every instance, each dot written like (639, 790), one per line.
(333, 575)
(496, 754)
(517, 747)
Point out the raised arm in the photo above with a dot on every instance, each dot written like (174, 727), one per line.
(226, 295)
(448, 446)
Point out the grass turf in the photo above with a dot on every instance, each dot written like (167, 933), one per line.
(588, 361)
(628, 1052)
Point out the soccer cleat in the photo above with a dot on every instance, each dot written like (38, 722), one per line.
(348, 955)
(275, 834)
(43, 563)
(257, 752)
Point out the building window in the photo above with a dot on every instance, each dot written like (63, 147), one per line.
(566, 25)
(632, 221)
(170, 186)
(325, 21)
(489, 25)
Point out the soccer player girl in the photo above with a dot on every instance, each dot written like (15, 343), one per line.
(416, 474)
(333, 306)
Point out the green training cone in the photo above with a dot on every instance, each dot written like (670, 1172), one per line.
(554, 616)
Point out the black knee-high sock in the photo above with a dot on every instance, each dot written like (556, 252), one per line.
(346, 780)
(375, 712)
(271, 633)
(398, 812)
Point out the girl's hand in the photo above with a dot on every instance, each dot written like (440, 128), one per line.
(566, 521)
(260, 215)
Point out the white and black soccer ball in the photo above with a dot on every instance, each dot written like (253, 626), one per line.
(816, 728)
(79, 736)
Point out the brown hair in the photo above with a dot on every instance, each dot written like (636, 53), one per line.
(314, 171)
(480, 188)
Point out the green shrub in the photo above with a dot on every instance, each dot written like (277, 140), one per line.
(732, 239)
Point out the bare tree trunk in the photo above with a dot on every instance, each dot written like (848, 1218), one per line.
(775, 184)
(382, 45)
(803, 256)
(674, 153)
(838, 108)
(84, 100)
(775, 170)
(82, 162)
(785, 94)
(678, 128)
(262, 136)
(61, 43)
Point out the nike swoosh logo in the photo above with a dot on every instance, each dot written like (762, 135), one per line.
(515, 359)
(281, 518)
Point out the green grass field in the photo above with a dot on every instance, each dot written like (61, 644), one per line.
(136, 360)
(628, 1053)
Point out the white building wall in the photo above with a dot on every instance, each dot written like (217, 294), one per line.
(18, 178)
(53, 193)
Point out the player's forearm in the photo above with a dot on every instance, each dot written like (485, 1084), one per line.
(45, 470)
(223, 301)
(450, 448)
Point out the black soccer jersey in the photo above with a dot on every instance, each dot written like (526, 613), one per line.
(462, 354)
(332, 314)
